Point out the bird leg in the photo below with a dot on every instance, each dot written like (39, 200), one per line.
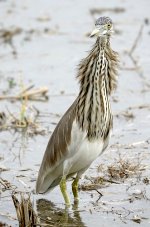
(63, 189)
(75, 188)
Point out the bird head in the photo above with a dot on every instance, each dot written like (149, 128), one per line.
(103, 27)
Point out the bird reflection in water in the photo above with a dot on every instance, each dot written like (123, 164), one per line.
(50, 215)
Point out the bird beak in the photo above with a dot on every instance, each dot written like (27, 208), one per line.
(94, 32)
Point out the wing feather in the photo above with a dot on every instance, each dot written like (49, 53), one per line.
(56, 148)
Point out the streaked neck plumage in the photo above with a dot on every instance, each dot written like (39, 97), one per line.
(97, 76)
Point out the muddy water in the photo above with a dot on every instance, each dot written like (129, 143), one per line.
(52, 38)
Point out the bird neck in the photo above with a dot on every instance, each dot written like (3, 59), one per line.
(97, 77)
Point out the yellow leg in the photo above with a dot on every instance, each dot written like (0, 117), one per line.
(63, 189)
(75, 188)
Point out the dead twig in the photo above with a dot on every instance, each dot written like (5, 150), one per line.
(136, 40)
(27, 89)
(5, 184)
(39, 94)
(134, 46)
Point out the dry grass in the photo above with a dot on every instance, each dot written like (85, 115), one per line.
(25, 119)
(115, 173)
(25, 212)
(26, 116)
(123, 169)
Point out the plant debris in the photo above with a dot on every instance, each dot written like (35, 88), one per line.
(27, 116)
(138, 195)
(96, 183)
(136, 219)
(103, 10)
(4, 225)
(134, 46)
(25, 212)
(122, 169)
(2, 118)
(38, 94)
(146, 181)
(5, 184)
(26, 119)
(7, 35)
(113, 174)
(128, 115)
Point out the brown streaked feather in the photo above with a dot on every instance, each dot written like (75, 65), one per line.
(97, 75)
(113, 62)
(57, 145)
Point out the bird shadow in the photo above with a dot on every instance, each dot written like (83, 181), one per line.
(51, 215)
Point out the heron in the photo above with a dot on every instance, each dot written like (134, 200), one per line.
(84, 131)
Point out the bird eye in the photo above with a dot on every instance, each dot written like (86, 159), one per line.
(108, 26)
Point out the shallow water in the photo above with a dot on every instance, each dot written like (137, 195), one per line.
(52, 40)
